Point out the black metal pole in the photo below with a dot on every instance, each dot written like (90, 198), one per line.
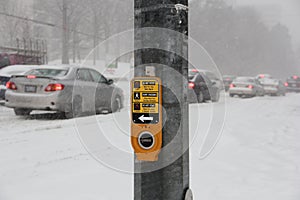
(170, 182)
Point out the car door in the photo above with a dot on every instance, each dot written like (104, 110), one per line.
(104, 91)
(259, 86)
(205, 85)
(85, 87)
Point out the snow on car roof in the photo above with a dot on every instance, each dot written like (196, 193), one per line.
(244, 79)
(56, 66)
(16, 69)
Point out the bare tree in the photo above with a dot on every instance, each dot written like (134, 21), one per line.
(11, 27)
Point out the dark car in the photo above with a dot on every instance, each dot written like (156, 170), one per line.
(201, 88)
(293, 84)
(7, 72)
(227, 80)
(213, 78)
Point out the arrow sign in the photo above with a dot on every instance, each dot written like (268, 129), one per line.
(143, 118)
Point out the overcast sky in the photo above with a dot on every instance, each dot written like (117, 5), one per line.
(285, 11)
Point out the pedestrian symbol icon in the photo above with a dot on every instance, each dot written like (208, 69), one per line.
(137, 95)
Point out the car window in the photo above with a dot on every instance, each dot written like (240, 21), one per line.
(244, 79)
(48, 72)
(205, 79)
(84, 75)
(97, 77)
(200, 78)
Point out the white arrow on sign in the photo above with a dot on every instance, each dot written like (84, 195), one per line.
(143, 118)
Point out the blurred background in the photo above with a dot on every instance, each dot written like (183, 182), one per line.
(244, 37)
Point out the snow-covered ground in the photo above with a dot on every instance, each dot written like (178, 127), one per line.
(256, 158)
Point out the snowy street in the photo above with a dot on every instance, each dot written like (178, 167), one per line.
(256, 158)
(149, 100)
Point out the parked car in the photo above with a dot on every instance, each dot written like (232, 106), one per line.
(227, 80)
(7, 72)
(247, 87)
(214, 78)
(273, 87)
(293, 84)
(201, 88)
(68, 89)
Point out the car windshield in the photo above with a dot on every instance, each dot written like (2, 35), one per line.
(268, 81)
(243, 79)
(48, 72)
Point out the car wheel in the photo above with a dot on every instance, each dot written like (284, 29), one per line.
(231, 95)
(200, 97)
(22, 112)
(116, 105)
(76, 109)
(216, 97)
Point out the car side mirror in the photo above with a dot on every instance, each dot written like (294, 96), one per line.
(214, 83)
(110, 82)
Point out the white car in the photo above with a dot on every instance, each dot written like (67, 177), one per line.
(247, 87)
(273, 87)
(7, 72)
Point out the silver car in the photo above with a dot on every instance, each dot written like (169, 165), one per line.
(273, 87)
(247, 87)
(71, 90)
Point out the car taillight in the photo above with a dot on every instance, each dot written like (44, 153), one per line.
(232, 86)
(191, 85)
(286, 84)
(295, 77)
(54, 87)
(250, 86)
(31, 76)
(262, 76)
(11, 85)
